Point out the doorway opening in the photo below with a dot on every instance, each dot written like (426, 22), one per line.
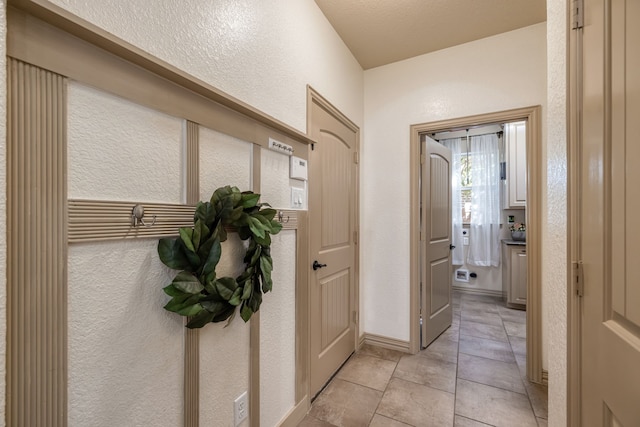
(532, 218)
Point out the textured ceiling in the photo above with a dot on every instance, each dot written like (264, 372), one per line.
(379, 32)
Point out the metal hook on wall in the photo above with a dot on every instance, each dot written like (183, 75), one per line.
(281, 218)
(137, 216)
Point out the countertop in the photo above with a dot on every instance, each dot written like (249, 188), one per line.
(514, 242)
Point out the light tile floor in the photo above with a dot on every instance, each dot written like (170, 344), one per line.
(472, 375)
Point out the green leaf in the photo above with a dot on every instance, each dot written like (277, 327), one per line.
(263, 241)
(200, 232)
(249, 199)
(213, 257)
(225, 314)
(172, 255)
(276, 227)
(255, 255)
(187, 282)
(256, 227)
(186, 235)
(248, 287)
(244, 232)
(235, 299)
(190, 310)
(200, 319)
(172, 291)
(245, 313)
(176, 303)
(226, 286)
(214, 307)
(268, 214)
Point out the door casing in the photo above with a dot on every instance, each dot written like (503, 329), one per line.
(533, 220)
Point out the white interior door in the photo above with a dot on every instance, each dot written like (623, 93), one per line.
(436, 309)
(608, 205)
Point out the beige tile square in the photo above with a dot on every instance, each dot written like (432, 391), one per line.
(466, 422)
(427, 370)
(367, 371)
(494, 406)
(482, 347)
(538, 396)
(309, 421)
(515, 329)
(518, 345)
(417, 404)
(513, 315)
(442, 348)
(541, 422)
(345, 404)
(490, 372)
(381, 352)
(480, 316)
(452, 333)
(521, 361)
(380, 421)
(480, 330)
(480, 306)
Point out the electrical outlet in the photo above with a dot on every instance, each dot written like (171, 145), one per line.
(240, 408)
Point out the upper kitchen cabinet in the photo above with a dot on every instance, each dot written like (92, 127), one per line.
(516, 157)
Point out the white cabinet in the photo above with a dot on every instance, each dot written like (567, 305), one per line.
(515, 196)
(514, 274)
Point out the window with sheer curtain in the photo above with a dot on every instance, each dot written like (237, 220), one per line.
(476, 198)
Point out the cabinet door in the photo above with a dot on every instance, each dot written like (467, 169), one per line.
(518, 293)
(516, 147)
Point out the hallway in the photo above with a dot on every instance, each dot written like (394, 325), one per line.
(472, 375)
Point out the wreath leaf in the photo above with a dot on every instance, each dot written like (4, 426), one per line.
(196, 291)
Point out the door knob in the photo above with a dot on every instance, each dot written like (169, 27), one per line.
(452, 247)
(316, 265)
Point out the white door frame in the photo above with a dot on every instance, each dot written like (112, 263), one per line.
(533, 220)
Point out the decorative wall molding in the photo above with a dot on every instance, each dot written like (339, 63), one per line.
(98, 220)
(192, 336)
(36, 390)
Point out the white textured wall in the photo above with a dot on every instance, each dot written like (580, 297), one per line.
(554, 249)
(224, 351)
(3, 208)
(118, 150)
(493, 74)
(278, 334)
(264, 53)
(224, 160)
(274, 179)
(125, 352)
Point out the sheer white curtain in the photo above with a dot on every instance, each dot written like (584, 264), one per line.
(484, 248)
(455, 145)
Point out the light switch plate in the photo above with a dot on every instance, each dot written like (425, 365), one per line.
(297, 198)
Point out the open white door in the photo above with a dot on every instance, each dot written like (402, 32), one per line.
(607, 206)
(435, 240)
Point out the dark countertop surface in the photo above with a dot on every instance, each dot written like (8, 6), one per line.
(514, 242)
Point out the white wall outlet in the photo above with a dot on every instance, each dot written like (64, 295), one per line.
(240, 409)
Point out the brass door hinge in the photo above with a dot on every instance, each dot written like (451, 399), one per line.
(356, 158)
(577, 14)
(355, 317)
(578, 277)
(355, 237)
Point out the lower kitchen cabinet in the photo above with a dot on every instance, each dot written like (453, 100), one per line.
(514, 273)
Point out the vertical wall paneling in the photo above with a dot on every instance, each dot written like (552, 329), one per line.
(191, 336)
(254, 340)
(36, 259)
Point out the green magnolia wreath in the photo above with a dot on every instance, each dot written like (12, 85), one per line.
(196, 291)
